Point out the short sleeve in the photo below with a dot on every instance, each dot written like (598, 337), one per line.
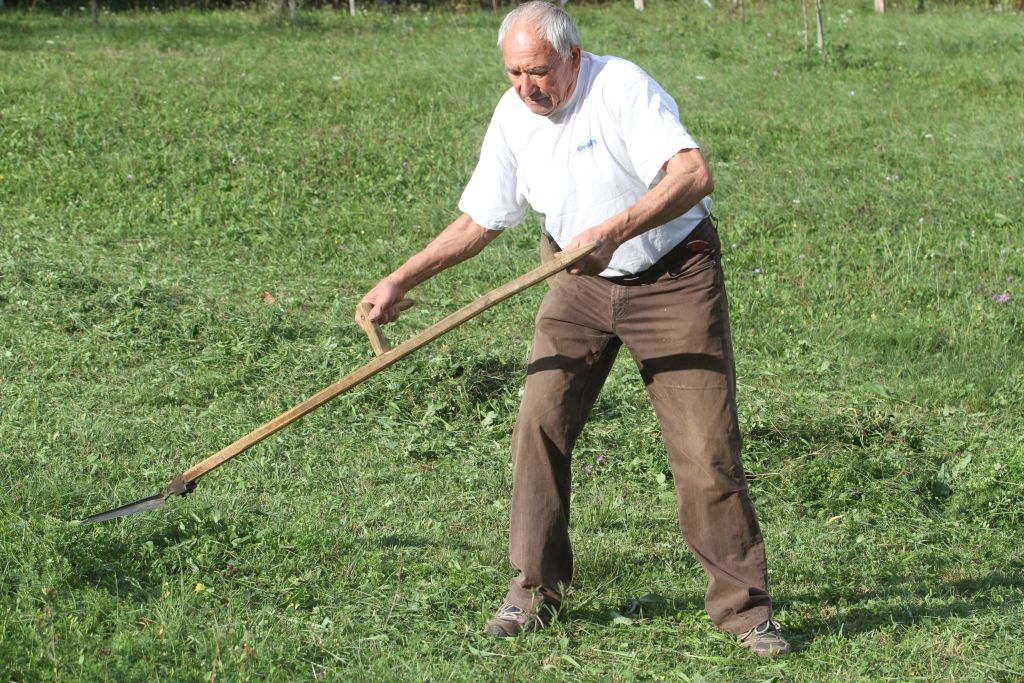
(494, 197)
(651, 127)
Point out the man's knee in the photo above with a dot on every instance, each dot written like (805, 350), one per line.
(543, 431)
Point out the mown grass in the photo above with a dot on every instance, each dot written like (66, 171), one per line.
(160, 174)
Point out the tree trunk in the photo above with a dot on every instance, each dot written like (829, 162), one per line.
(821, 28)
(880, 6)
(95, 5)
(639, 4)
(292, 10)
(351, 8)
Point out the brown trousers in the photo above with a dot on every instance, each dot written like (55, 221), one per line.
(677, 329)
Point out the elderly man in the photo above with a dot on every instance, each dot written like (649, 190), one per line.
(596, 146)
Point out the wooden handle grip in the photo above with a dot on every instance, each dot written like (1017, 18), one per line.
(377, 340)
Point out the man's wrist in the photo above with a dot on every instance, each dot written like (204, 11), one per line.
(611, 235)
(397, 282)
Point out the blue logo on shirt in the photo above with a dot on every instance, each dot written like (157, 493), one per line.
(589, 144)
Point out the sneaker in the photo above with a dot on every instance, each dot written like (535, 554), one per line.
(765, 640)
(509, 621)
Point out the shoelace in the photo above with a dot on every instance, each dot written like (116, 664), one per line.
(769, 626)
(512, 613)
(522, 616)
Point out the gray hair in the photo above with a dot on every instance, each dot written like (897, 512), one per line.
(553, 23)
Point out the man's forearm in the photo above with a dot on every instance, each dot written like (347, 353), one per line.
(461, 240)
(687, 180)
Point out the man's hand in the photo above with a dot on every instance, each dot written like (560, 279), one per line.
(597, 260)
(383, 300)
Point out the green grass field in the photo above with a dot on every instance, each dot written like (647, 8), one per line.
(160, 174)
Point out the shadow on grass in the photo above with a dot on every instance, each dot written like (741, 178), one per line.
(134, 562)
(447, 384)
(906, 601)
(902, 600)
(648, 606)
(113, 565)
(136, 566)
(893, 607)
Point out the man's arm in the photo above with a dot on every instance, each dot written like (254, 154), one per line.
(461, 240)
(687, 180)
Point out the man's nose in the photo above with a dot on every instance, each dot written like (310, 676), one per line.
(525, 85)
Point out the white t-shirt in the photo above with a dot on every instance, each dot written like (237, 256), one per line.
(586, 162)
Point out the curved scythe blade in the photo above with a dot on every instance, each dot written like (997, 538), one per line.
(177, 487)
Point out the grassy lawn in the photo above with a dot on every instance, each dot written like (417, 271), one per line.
(192, 203)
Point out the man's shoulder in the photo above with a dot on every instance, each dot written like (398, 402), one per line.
(611, 69)
(615, 83)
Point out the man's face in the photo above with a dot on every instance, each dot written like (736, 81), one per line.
(542, 79)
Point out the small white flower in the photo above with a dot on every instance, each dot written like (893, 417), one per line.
(700, 78)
